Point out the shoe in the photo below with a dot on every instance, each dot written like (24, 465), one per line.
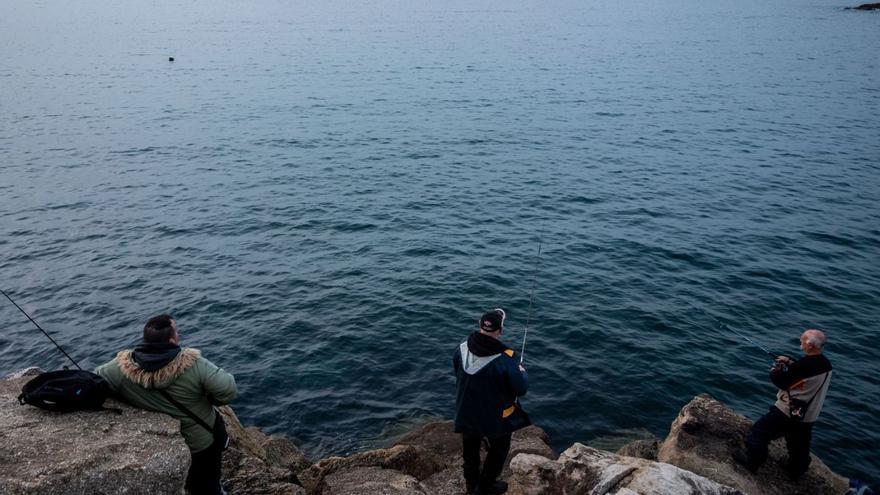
(470, 488)
(743, 459)
(496, 488)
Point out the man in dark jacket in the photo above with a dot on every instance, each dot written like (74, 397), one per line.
(802, 387)
(488, 381)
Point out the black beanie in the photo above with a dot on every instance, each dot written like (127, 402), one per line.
(493, 320)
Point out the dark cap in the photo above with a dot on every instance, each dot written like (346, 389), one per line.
(493, 321)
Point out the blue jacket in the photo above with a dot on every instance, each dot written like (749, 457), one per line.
(488, 381)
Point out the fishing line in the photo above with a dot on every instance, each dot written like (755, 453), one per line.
(754, 343)
(41, 329)
(522, 353)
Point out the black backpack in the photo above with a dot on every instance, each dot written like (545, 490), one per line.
(66, 391)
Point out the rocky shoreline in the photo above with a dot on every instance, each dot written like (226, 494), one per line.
(138, 452)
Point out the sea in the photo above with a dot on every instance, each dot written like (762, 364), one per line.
(327, 195)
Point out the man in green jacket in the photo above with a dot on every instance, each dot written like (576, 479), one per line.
(158, 373)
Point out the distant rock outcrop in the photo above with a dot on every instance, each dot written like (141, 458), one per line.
(868, 6)
(706, 433)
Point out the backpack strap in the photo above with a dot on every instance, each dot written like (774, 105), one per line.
(186, 411)
(827, 373)
(814, 394)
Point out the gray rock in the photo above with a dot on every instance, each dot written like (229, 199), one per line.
(531, 440)
(447, 482)
(410, 460)
(704, 437)
(256, 463)
(585, 470)
(439, 438)
(371, 480)
(100, 452)
(643, 449)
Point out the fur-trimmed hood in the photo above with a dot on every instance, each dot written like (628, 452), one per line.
(162, 377)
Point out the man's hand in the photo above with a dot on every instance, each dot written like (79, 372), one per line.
(781, 363)
(521, 368)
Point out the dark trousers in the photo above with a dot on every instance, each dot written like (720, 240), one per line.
(776, 424)
(204, 472)
(498, 450)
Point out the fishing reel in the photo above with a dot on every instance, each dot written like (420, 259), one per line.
(782, 365)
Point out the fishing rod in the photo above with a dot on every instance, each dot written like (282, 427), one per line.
(41, 329)
(746, 337)
(522, 353)
(759, 346)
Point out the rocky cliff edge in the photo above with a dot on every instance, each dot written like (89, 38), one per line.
(138, 452)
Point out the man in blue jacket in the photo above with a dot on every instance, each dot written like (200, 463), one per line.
(489, 380)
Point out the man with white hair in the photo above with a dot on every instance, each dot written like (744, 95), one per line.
(802, 384)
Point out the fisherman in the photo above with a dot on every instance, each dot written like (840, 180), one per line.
(488, 381)
(802, 384)
(159, 375)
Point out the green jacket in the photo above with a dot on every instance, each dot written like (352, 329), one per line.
(189, 378)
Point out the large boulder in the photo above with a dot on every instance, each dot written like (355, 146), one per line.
(704, 437)
(415, 462)
(585, 470)
(372, 480)
(89, 452)
(256, 463)
(132, 452)
(426, 460)
(439, 438)
(643, 449)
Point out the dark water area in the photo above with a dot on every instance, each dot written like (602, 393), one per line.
(327, 195)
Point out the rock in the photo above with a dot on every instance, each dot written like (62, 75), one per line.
(89, 452)
(430, 455)
(372, 480)
(868, 6)
(531, 440)
(643, 449)
(27, 372)
(439, 438)
(703, 438)
(256, 463)
(411, 460)
(94, 452)
(447, 482)
(582, 469)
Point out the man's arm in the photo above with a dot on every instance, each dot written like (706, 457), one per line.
(785, 372)
(218, 384)
(106, 371)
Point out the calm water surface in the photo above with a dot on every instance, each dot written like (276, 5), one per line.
(328, 194)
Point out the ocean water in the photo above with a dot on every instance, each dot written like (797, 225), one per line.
(327, 195)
